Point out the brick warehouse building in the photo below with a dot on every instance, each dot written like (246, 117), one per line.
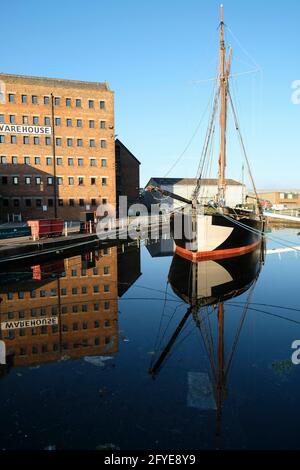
(83, 173)
(127, 173)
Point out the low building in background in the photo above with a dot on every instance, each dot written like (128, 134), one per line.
(184, 187)
(78, 129)
(289, 198)
(127, 173)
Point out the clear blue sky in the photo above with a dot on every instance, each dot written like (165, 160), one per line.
(152, 53)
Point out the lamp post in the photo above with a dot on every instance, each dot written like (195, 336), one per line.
(54, 157)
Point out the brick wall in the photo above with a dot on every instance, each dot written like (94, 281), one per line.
(86, 173)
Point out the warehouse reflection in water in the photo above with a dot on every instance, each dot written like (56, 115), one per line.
(66, 308)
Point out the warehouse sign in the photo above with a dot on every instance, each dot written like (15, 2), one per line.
(32, 323)
(23, 129)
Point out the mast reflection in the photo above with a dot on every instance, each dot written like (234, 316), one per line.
(210, 284)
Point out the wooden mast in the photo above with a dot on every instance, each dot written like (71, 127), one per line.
(223, 74)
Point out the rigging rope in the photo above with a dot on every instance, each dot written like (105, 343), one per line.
(191, 139)
(243, 147)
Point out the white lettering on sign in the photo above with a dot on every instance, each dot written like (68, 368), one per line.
(22, 129)
(32, 323)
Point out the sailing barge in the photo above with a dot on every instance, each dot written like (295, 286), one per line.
(215, 230)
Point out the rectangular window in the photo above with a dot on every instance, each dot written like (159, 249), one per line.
(57, 121)
(16, 202)
(71, 180)
(91, 104)
(50, 202)
(1, 118)
(70, 161)
(37, 160)
(38, 203)
(26, 160)
(47, 121)
(38, 180)
(78, 103)
(58, 141)
(5, 202)
(104, 201)
(49, 161)
(36, 140)
(28, 202)
(46, 100)
(71, 202)
(26, 140)
(91, 124)
(92, 143)
(4, 180)
(25, 119)
(12, 119)
(27, 180)
(49, 181)
(102, 104)
(24, 99)
(104, 181)
(69, 142)
(80, 161)
(69, 122)
(81, 202)
(103, 144)
(93, 180)
(68, 102)
(79, 142)
(93, 202)
(103, 162)
(80, 181)
(60, 202)
(79, 122)
(2, 139)
(59, 180)
(34, 99)
(14, 160)
(48, 140)
(11, 98)
(102, 124)
(92, 162)
(35, 120)
(3, 159)
(59, 161)
(13, 139)
(57, 101)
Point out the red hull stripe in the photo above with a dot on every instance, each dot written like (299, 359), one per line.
(216, 254)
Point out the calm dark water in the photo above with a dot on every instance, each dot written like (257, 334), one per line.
(84, 381)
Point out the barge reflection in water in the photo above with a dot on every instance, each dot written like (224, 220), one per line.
(203, 284)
